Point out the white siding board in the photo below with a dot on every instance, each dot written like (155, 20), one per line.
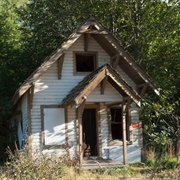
(104, 141)
(110, 95)
(72, 140)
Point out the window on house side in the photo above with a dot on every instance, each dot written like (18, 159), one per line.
(85, 62)
(116, 124)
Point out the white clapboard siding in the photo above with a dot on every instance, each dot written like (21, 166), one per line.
(134, 113)
(104, 129)
(71, 125)
(50, 90)
(110, 95)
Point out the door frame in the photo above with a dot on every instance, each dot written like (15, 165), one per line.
(79, 113)
(96, 108)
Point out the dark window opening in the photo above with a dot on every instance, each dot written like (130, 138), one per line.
(116, 124)
(85, 62)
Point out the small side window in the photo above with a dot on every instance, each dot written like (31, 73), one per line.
(116, 124)
(85, 62)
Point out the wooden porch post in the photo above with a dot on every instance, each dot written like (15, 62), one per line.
(80, 112)
(124, 134)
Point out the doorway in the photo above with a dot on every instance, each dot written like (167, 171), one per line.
(89, 125)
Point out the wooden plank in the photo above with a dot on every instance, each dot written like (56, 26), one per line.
(60, 65)
(124, 134)
(103, 84)
(91, 31)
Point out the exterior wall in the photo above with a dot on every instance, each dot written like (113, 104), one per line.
(49, 90)
(115, 152)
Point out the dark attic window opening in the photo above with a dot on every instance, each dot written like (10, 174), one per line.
(85, 62)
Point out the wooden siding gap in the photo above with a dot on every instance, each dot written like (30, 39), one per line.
(60, 65)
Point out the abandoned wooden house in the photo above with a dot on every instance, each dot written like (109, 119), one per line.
(85, 96)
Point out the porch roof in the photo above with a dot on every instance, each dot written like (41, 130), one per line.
(101, 75)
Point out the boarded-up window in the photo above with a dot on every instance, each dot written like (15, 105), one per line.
(54, 126)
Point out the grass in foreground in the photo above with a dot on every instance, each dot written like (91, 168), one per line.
(41, 167)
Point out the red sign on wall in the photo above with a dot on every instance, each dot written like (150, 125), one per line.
(135, 125)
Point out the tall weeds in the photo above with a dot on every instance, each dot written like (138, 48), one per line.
(21, 165)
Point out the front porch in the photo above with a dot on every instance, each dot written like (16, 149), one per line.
(97, 162)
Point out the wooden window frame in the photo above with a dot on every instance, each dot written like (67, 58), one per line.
(128, 123)
(93, 53)
(63, 146)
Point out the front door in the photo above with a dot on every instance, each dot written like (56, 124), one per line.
(89, 132)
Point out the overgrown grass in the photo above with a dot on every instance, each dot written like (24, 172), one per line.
(22, 166)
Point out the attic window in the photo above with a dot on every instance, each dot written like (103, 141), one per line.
(85, 62)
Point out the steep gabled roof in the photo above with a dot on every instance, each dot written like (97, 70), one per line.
(109, 44)
(89, 83)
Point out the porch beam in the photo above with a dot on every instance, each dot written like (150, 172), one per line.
(124, 134)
